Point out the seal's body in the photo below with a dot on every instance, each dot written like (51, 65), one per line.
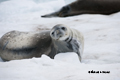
(22, 45)
(16, 45)
(105, 7)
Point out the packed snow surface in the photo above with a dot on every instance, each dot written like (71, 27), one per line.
(101, 51)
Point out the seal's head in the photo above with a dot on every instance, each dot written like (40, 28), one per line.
(59, 32)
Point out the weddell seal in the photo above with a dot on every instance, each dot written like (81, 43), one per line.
(78, 7)
(16, 45)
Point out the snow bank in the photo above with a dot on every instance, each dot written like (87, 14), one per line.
(45, 68)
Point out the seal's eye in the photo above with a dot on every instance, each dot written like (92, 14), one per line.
(63, 28)
(52, 33)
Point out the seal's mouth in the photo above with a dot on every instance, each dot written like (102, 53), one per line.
(58, 38)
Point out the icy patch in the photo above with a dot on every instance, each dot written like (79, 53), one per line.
(70, 57)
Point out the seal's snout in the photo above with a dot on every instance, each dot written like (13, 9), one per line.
(54, 14)
(63, 12)
(58, 32)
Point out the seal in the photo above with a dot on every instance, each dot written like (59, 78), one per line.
(105, 7)
(66, 39)
(16, 45)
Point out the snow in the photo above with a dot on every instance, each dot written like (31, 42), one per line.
(101, 51)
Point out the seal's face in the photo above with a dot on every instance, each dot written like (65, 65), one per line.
(59, 32)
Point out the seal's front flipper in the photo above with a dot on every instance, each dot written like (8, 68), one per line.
(53, 52)
(4, 60)
(79, 56)
(76, 47)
